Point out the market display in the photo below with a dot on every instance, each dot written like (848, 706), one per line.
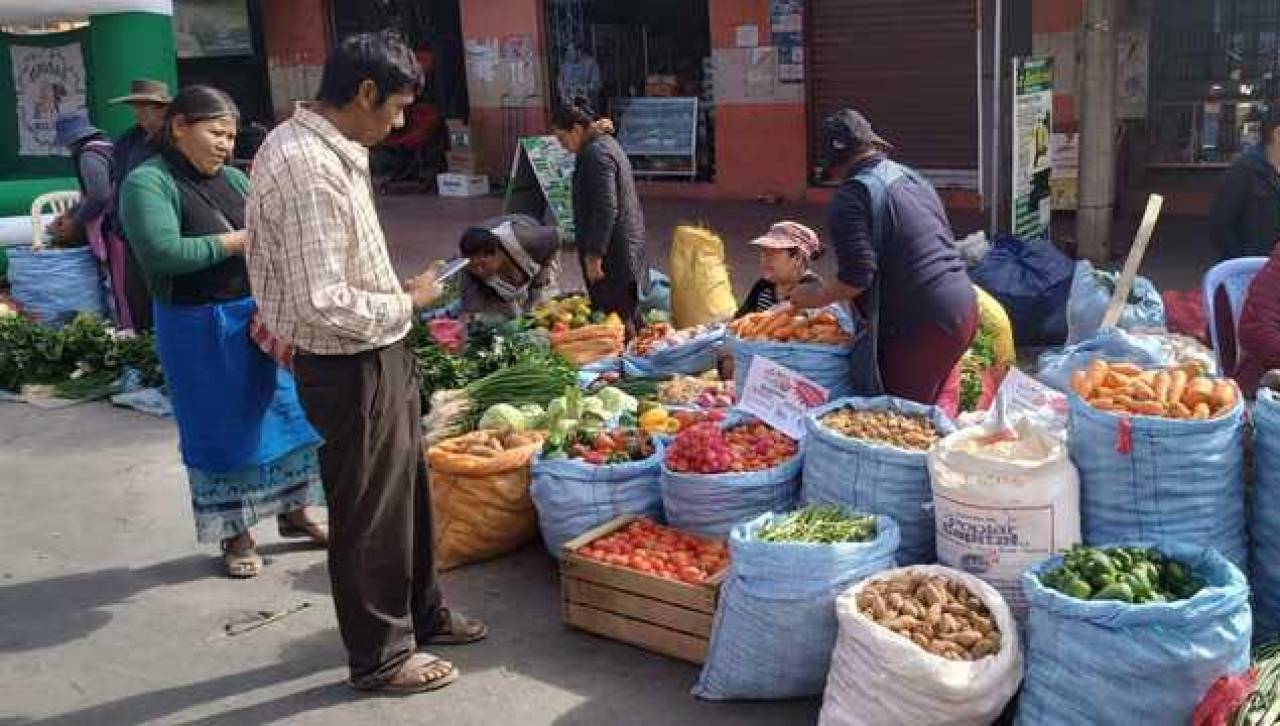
(648, 547)
(82, 359)
(1179, 393)
(487, 444)
(705, 448)
(658, 337)
(821, 524)
(936, 613)
(528, 383)
(659, 420)
(569, 313)
(787, 325)
(905, 431)
(692, 391)
(619, 446)
(1130, 574)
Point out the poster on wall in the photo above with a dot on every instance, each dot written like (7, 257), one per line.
(48, 82)
(786, 26)
(211, 28)
(1032, 162)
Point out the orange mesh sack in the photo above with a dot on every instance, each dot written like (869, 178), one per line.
(480, 492)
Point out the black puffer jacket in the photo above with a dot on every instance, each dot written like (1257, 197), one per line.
(1245, 220)
(609, 223)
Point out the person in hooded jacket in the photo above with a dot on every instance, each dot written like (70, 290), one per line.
(1245, 220)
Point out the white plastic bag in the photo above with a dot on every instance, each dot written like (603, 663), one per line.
(1004, 501)
(879, 678)
(1023, 397)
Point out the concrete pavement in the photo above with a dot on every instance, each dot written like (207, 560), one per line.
(110, 613)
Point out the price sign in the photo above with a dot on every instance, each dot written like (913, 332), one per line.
(780, 397)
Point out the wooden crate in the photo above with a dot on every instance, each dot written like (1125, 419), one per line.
(664, 616)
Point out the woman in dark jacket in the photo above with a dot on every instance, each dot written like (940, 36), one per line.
(606, 215)
(1260, 327)
(1245, 220)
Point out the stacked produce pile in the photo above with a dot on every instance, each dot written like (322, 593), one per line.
(487, 444)
(659, 420)
(821, 524)
(705, 448)
(792, 326)
(578, 333)
(903, 430)
(1178, 394)
(936, 613)
(658, 337)
(82, 359)
(619, 446)
(1130, 574)
(653, 549)
(701, 392)
(570, 313)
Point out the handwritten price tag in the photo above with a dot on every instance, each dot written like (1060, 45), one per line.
(780, 397)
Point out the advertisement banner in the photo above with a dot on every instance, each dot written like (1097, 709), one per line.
(48, 82)
(1032, 162)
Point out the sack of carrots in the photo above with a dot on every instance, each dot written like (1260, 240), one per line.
(814, 343)
(1182, 393)
(1161, 457)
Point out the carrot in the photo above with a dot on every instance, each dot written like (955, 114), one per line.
(1180, 410)
(1161, 386)
(1124, 401)
(1177, 386)
(1223, 396)
(1081, 384)
(1198, 391)
(1148, 408)
(1097, 373)
(1201, 412)
(1128, 370)
(1142, 392)
(1104, 404)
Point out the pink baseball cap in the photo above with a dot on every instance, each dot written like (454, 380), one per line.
(791, 235)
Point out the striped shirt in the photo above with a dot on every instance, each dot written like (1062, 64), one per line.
(317, 257)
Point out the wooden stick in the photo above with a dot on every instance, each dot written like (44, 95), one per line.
(1139, 250)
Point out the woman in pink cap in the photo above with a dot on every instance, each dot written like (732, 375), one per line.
(785, 253)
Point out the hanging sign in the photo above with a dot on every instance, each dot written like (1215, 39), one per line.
(542, 179)
(48, 82)
(779, 396)
(1032, 129)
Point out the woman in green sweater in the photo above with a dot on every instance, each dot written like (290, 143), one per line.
(245, 440)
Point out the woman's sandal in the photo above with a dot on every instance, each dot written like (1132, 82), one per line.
(240, 562)
(422, 672)
(307, 530)
(458, 630)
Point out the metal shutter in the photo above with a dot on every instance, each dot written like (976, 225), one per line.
(910, 67)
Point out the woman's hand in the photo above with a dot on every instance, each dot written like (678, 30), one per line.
(234, 242)
(594, 269)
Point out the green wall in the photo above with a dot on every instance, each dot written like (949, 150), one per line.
(125, 46)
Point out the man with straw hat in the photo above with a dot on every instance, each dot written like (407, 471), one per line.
(150, 101)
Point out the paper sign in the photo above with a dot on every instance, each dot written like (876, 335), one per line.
(780, 397)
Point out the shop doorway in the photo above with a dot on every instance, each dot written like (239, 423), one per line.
(646, 65)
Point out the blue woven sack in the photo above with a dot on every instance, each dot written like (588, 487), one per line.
(712, 504)
(572, 496)
(775, 626)
(1109, 344)
(828, 366)
(54, 285)
(1091, 292)
(1159, 480)
(872, 477)
(1105, 663)
(1264, 555)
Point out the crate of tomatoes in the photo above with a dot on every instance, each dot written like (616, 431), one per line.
(636, 581)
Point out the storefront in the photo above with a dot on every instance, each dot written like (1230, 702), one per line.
(220, 43)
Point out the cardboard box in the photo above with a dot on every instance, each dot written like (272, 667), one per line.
(663, 616)
(464, 161)
(462, 185)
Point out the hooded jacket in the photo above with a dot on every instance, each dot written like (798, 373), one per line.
(1245, 220)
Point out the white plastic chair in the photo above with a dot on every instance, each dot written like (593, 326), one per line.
(1233, 276)
(54, 203)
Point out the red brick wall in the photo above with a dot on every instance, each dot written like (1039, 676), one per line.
(1056, 16)
(296, 36)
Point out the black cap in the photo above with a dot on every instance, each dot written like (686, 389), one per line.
(844, 131)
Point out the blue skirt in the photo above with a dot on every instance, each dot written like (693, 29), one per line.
(245, 440)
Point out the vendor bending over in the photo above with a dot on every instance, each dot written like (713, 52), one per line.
(514, 266)
(897, 260)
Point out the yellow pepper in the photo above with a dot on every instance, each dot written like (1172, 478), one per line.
(654, 420)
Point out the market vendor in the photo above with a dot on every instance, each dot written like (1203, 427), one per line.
(606, 210)
(1259, 328)
(897, 261)
(786, 251)
(514, 266)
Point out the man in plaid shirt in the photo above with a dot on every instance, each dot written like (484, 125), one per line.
(320, 270)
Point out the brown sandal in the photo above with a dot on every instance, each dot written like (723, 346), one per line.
(241, 561)
(422, 672)
(308, 529)
(458, 630)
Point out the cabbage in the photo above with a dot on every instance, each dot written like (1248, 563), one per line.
(533, 415)
(617, 401)
(593, 407)
(503, 417)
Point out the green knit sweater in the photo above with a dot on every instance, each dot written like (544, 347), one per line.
(152, 217)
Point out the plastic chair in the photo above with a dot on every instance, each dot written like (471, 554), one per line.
(1233, 278)
(55, 203)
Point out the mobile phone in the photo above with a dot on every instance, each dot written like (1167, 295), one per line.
(452, 268)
